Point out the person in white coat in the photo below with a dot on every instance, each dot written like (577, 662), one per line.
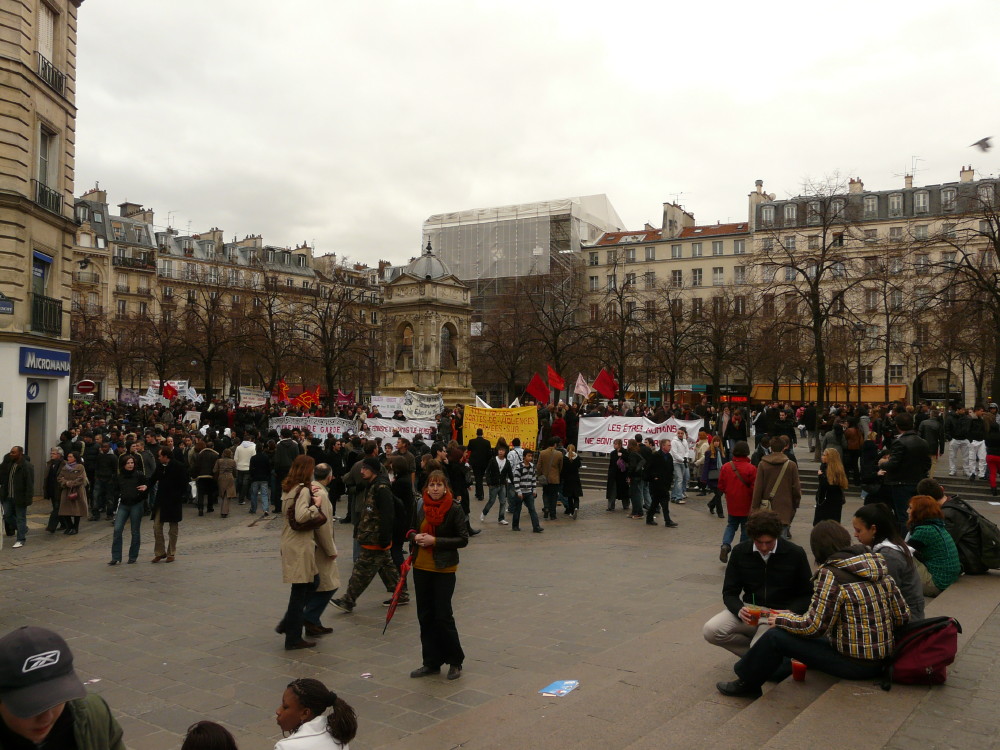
(302, 717)
(683, 455)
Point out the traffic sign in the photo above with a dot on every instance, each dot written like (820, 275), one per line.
(86, 386)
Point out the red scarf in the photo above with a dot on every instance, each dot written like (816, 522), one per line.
(435, 510)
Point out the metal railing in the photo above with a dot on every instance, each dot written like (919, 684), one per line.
(47, 198)
(46, 315)
(139, 264)
(85, 277)
(51, 75)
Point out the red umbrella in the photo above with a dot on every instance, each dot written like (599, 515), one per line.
(404, 570)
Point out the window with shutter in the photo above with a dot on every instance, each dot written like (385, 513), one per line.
(46, 31)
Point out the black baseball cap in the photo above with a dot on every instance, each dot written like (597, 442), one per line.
(36, 672)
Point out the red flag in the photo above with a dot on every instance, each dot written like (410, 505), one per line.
(280, 392)
(605, 384)
(538, 389)
(169, 392)
(554, 380)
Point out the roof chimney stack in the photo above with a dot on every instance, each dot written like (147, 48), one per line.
(856, 186)
(760, 186)
(908, 180)
(968, 174)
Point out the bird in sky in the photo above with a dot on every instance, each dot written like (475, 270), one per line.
(983, 143)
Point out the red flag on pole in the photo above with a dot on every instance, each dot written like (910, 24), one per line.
(537, 389)
(554, 380)
(605, 384)
(169, 392)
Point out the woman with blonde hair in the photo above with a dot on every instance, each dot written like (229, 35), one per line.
(712, 463)
(832, 483)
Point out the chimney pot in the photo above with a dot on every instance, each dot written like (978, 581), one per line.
(908, 181)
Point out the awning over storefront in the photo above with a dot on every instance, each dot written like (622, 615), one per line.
(836, 392)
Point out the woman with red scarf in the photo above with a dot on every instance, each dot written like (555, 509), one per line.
(441, 530)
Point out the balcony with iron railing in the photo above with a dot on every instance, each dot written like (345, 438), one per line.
(51, 75)
(47, 198)
(137, 264)
(87, 309)
(121, 288)
(46, 315)
(85, 277)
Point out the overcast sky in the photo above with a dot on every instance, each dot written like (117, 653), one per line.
(349, 123)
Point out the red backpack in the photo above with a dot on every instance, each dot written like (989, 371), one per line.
(922, 653)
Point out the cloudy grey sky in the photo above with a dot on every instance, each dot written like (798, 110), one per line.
(349, 123)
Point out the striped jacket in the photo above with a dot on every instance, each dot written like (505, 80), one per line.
(524, 478)
(855, 603)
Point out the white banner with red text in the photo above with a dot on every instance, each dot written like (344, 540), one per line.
(598, 434)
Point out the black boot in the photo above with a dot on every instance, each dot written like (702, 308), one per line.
(711, 505)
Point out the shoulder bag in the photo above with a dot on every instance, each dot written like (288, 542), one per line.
(739, 476)
(765, 502)
(313, 523)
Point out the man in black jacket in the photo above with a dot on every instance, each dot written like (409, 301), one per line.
(480, 453)
(660, 473)
(908, 462)
(374, 537)
(765, 571)
(287, 450)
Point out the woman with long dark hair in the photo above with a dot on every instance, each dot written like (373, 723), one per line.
(875, 526)
(441, 529)
(302, 716)
(298, 548)
(132, 490)
(617, 485)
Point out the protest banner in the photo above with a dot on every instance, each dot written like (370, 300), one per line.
(253, 396)
(506, 423)
(318, 426)
(192, 416)
(384, 428)
(180, 385)
(387, 405)
(598, 434)
(422, 405)
(129, 396)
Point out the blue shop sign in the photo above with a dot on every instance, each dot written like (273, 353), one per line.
(51, 362)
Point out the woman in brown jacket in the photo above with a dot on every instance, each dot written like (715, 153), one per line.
(225, 479)
(73, 498)
(785, 495)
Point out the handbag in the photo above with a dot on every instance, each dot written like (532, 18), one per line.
(73, 495)
(765, 502)
(313, 523)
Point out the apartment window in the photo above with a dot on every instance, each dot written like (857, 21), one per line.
(895, 234)
(630, 279)
(630, 255)
(867, 375)
(768, 272)
(986, 194)
(305, 284)
(695, 277)
(921, 202)
(871, 300)
(213, 275)
(168, 292)
(676, 252)
(300, 261)
(791, 305)
(949, 199)
(790, 273)
(895, 265)
(47, 155)
(143, 309)
(790, 211)
(813, 242)
(740, 305)
(812, 270)
(814, 212)
(739, 247)
(649, 279)
(872, 266)
(790, 243)
(739, 274)
(922, 264)
(256, 302)
(190, 296)
(838, 239)
(920, 232)
(696, 308)
(676, 308)
(871, 206)
(236, 300)
(767, 244)
(189, 271)
(594, 260)
(718, 276)
(871, 235)
(595, 283)
(213, 296)
(650, 253)
(718, 306)
(896, 299)
(838, 269)
(101, 243)
(985, 228)
(948, 230)
(767, 215)
(595, 312)
(677, 279)
(289, 282)
(922, 333)
(838, 306)
(695, 249)
(837, 209)
(612, 281)
(121, 306)
(895, 373)
(896, 204)
(716, 247)
(948, 259)
(612, 257)
(767, 305)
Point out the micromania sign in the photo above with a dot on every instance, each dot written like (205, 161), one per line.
(49, 362)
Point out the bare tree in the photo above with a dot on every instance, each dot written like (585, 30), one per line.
(669, 332)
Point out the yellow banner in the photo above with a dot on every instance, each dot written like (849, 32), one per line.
(502, 423)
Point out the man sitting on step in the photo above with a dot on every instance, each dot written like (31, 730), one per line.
(763, 571)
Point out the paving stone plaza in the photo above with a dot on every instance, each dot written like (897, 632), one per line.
(611, 602)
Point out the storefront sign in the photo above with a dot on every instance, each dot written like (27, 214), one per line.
(49, 362)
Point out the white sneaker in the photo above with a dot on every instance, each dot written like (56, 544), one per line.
(502, 522)
(482, 517)
(18, 544)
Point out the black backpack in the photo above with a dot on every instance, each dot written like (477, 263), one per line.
(976, 537)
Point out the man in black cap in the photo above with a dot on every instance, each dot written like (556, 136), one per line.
(373, 535)
(43, 701)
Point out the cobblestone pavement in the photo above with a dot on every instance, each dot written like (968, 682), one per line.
(170, 644)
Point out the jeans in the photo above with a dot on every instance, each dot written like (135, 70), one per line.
(134, 514)
(15, 518)
(682, 475)
(550, 494)
(102, 498)
(501, 491)
(263, 491)
(733, 523)
(529, 501)
(647, 498)
(766, 657)
(439, 642)
(316, 604)
(635, 496)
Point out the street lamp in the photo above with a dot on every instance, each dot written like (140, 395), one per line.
(859, 336)
(915, 346)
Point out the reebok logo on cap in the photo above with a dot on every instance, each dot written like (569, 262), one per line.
(40, 661)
